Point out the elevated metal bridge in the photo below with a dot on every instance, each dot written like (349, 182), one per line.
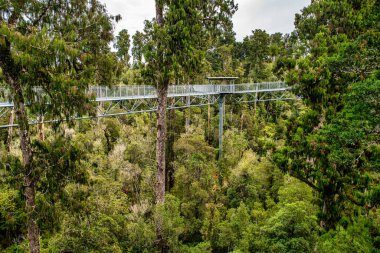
(140, 93)
(123, 100)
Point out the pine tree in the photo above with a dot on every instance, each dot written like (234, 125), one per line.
(176, 44)
(50, 50)
(123, 45)
(328, 146)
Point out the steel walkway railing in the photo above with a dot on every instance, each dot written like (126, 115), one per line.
(102, 93)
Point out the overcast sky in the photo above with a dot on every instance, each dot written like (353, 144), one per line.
(270, 15)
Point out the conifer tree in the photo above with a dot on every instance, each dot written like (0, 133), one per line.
(51, 50)
(123, 45)
(324, 150)
(176, 44)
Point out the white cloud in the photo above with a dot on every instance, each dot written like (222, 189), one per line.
(270, 15)
(133, 13)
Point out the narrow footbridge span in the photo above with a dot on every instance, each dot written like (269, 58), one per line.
(121, 100)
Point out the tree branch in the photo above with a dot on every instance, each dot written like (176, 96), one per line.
(159, 14)
(43, 14)
(305, 181)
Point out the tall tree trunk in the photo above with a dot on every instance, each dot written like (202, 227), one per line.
(10, 130)
(169, 148)
(160, 149)
(41, 128)
(29, 180)
(150, 123)
(162, 93)
(209, 121)
(10, 72)
(188, 114)
(241, 121)
(160, 157)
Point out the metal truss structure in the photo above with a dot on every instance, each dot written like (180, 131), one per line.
(141, 105)
(123, 100)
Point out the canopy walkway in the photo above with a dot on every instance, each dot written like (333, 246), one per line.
(123, 100)
(144, 92)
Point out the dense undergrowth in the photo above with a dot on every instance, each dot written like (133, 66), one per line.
(299, 175)
(95, 190)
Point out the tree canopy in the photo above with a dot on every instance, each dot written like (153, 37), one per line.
(297, 175)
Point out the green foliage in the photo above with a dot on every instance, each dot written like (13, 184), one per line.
(176, 46)
(168, 215)
(95, 187)
(253, 181)
(101, 236)
(340, 160)
(293, 191)
(258, 52)
(111, 132)
(354, 238)
(233, 232)
(194, 178)
(341, 38)
(203, 247)
(58, 163)
(12, 215)
(60, 57)
(234, 146)
(123, 45)
(291, 229)
(137, 49)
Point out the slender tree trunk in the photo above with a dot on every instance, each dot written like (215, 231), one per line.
(170, 139)
(29, 180)
(161, 138)
(10, 131)
(41, 128)
(150, 123)
(162, 93)
(241, 122)
(188, 114)
(322, 222)
(209, 121)
(160, 157)
(10, 70)
(159, 14)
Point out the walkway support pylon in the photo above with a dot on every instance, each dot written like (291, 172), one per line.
(221, 123)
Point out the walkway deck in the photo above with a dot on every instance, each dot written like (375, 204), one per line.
(138, 92)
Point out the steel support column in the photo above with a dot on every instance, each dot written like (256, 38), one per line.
(221, 123)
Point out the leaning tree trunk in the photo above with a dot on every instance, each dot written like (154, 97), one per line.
(10, 72)
(29, 180)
